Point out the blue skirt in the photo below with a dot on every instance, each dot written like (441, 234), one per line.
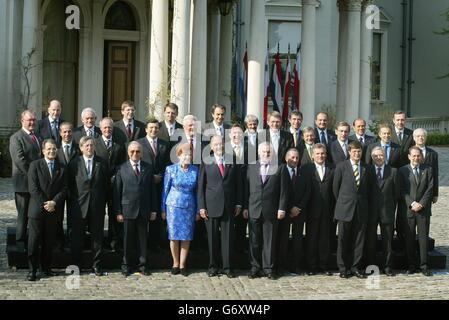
(180, 223)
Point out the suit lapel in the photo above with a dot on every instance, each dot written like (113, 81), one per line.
(387, 173)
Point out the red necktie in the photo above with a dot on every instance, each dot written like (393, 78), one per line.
(154, 147)
(129, 130)
(222, 169)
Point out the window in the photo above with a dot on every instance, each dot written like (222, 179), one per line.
(120, 17)
(376, 66)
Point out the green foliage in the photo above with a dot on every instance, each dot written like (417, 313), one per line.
(5, 159)
(444, 32)
(437, 139)
(331, 113)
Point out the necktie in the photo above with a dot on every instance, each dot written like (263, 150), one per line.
(136, 169)
(345, 150)
(191, 147)
(109, 144)
(323, 138)
(416, 174)
(400, 137)
(33, 137)
(89, 133)
(170, 132)
(309, 151)
(379, 175)
(320, 172)
(295, 138)
(357, 175)
(222, 168)
(263, 173)
(50, 168)
(154, 147)
(89, 169)
(54, 130)
(361, 140)
(219, 131)
(387, 153)
(293, 174)
(67, 153)
(128, 129)
(237, 152)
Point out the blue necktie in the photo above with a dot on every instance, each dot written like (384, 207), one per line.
(323, 137)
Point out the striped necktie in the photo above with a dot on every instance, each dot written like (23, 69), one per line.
(356, 175)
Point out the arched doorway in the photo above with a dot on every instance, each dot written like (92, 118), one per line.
(60, 61)
(119, 60)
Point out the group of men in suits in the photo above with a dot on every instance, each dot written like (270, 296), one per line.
(273, 183)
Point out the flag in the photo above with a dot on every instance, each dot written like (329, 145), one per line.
(243, 82)
(287, 84)
(296, 81)
(276, 87)
(266, 88)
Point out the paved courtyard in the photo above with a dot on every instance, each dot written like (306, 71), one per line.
(198, 286)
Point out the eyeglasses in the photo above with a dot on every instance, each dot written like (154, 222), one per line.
(134, 151)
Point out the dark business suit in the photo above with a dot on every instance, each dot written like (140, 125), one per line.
(73, 153)
(299, 194)
(79, 132)
(320, 215)
(159, 162)
(209, 130)
(405, 144)
(43, 130)
(285, 143)
(251, 149)
(421, 191)
(336, 151)
(299, 139)
(88, 200)
(365, 142)
(115, 156)
(385, 195)
(263, 200)
(44, 187)
(352, 212)
(330, 136)
(121, 131)
(135, 199)
(304, 154)
(23, 151)
(220, 195)
(431, 159)
(164, 134)
(393, 158)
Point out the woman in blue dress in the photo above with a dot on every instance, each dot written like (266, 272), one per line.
(179, 206)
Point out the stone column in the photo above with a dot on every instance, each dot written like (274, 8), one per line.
(352, 56)
(97, 64)
(213, 58)
(341, 63)
(308, 64)
(158, 55)
(366, 49)
(180, 77)
(225, 74)
(198, 89)
(32, 56)
(257, 51)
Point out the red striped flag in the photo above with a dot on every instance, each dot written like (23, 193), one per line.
(296, 81)
(266, 88)
(287, 84)
(276, 87)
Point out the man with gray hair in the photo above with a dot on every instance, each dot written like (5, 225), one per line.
(305, 147)
(48, 127)
(386, 195)
(88, 117)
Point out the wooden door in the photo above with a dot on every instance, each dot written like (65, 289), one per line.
(119, 76)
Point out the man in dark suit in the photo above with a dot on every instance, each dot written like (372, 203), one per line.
(88, 117)
(191, 135)
(416, 182)
(392, 150)
(266, 202)
(339, 148)
(295, 118)
(48, 127)
(217, 126)
(306, 145)
(219, 201)
(135, 205)
(88, 182)
(320, 211)
(322, 133)
(251, 138)
(299, 193)
(24, 147)
(67, 151)
(352, 189)
(107, 148)
(402, 136)
(128, 129)
(280, 140)
(47, 186)
(156, 152)
(383, 209)
(430, 158)
(169, 126)
(359, 127)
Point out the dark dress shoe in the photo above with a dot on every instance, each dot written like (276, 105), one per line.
(212, 272)
(49, 273)
(328, 273)
(230, 274)
(271, 275)
(32, 276)
(175, 270)
(410, 271)
(145, 272)
(311, 272)
(344, 275)
(254, 274)
(183, 271)
(98, 272)
(359, 274)
(426, 272)
(389, 272)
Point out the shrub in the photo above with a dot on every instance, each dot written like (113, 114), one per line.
(437, 139)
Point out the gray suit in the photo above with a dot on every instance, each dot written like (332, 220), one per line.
(23, 151)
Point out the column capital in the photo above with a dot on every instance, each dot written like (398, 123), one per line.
(366, 3)
(314, 3)
(349, 5)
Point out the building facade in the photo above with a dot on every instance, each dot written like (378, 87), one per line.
(191, 52)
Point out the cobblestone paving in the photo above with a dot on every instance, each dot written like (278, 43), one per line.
(198, 286)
